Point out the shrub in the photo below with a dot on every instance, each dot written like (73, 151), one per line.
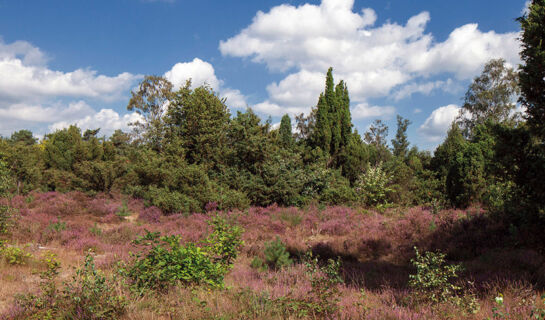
(168, 262)
(372, 186)
(89, 295)
(6, 219)
(276, 256)
(225, 241)
(432, 280)
(322, 300)
(13, 255)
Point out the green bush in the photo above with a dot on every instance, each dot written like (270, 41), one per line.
(276, 256)
(224, 242)
(372, 186)
(432, 280)
(322, 300)
(168, 261)
(13, 255)
(88, 296)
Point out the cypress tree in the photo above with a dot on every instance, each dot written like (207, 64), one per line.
(286, 137)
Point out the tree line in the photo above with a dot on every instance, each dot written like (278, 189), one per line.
(188, 152)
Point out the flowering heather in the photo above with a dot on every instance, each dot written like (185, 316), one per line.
(375, 249)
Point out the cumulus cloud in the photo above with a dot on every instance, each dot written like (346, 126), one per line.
(32, 95)
(364, 110)
(374, 60)
(107, 120)
(438, 123)
(202, 73)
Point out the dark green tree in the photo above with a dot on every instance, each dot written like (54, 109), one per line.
(200, 119)
(23, 136)
(286, 137)
(532, 71)
(401, 143)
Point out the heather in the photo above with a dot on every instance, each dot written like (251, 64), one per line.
(344, 263)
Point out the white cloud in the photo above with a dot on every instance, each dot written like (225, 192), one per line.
(202, 73)
(41, 113)
(25, 77)
(374, 60)
(364, 110)
(34, 96)
(438, 123)
(426, 88)
(106, 119)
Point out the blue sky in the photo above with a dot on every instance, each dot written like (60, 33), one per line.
(75, 61)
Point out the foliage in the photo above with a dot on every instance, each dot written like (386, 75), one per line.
(168, 261)
(372, 186)
(433, 277)
(286, 137)
(401, 143)
(225, 241)
(532, 73)
(89, 295)
(490, 97)
(276, 256)
(322, 300)
(13, 255)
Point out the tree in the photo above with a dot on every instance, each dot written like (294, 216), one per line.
(333, 125)
(490, 97)
(23, 136)
(200, 119)
(532, 71)
(377, 134)
(151, 101)
(401, 143)
(286, 137)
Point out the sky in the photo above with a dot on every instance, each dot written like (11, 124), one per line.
(66, 62)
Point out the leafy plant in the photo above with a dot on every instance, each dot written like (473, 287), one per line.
(322, 300)
(13, 255)
(432, 280)
(372, 186)
(57, 226)
(225, 241)
(89, 295)
(123, 211)
(168, 262)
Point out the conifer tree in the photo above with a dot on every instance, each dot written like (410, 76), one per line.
(532, 74)
(286, 137)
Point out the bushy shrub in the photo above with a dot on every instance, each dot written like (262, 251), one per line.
(276, 256)
(88, 296)
(168, 262)
(225, 241)
(372, 186)
(13, 255)
(433, 277)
